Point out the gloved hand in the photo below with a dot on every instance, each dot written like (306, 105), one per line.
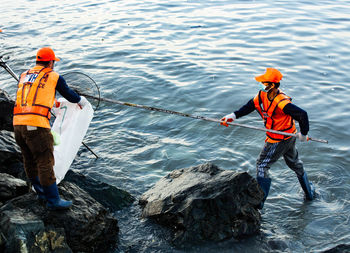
(302, 138)
(56, 103)
(228, 118)
(83, 102)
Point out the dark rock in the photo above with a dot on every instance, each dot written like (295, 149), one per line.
(109, 196)
(11, 187)
(6, 111)
(277, 245)
(205, 203)
(342, 248)
(10, 156)
(27, 233)
(51, 240)
(86, 227)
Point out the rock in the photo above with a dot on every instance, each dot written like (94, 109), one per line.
(342, 248)
(204, 203)
(6, 111)
(10, 156)
(109, 196)
(11, 187)
(86, 227)
(51, 240)
(27, 233)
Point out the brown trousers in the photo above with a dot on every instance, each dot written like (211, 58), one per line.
(37, 151)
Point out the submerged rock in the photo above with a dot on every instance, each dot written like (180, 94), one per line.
(86, 227)
(205, 203)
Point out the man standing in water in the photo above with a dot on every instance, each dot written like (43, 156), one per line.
(279, 114)
(35, 98)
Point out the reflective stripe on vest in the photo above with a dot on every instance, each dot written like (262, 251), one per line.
(273, 118)
(35, 97)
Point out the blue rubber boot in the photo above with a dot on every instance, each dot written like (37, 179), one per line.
(307, 186)
(265, 184)
(54, 202)
(38, 188)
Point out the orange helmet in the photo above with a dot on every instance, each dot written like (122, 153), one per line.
(46, 54)
(271, 75)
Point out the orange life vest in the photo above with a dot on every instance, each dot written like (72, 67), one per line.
(273, 115)
(35, 97)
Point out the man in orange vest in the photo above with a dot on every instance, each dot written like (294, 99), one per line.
(279, 114)
(35, 98)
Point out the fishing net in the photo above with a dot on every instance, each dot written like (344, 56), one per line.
(84, 86)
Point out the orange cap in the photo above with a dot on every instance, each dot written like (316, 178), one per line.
(271, 75)
(46, 54)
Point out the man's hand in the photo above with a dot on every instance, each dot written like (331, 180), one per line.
(228, 118)
(302, 138)
(83, 102)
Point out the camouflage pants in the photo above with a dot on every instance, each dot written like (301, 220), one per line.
(273, 151)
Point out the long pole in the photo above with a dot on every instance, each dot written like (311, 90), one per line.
(9, 70)
(195, 116)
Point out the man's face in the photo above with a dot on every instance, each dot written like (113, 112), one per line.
(268, 86)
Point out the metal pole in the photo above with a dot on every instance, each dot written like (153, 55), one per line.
(8, 69)
(196, 117)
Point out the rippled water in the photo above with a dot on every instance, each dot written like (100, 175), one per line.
(200, 57)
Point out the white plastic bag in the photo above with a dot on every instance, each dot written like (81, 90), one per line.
(71, 124)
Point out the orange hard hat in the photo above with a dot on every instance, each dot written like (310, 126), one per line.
(271, 75)
(46, 54)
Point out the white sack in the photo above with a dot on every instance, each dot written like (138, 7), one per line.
(71, 124)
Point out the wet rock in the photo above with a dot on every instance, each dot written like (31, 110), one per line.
(11, 187)
(204, 203)
(109, 196)
(27, 233)
(342, 248)
(10, 155)
(86, 227)
(50, 240)
(6, 111)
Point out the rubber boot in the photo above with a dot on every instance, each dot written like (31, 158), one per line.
(54, 202)
(307, 186)
(265, 184)
(38, 188)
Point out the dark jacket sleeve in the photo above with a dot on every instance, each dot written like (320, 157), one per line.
(299, 115)
(66, 92)
(245, 109)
